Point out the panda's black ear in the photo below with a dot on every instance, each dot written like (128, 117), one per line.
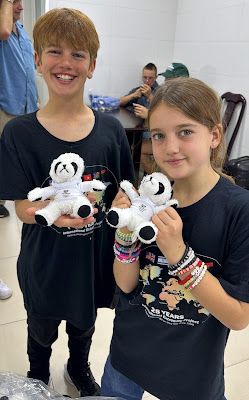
(56, 166)
(161, 189)
(75, 167)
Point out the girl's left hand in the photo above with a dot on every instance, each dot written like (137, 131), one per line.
(169, 237)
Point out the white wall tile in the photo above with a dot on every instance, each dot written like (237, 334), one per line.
(210, 37)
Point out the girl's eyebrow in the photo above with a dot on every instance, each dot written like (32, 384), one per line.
(154, 130)
(186, 126)
(180, 126)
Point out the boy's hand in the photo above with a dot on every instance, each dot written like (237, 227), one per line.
(169, 237)
(65, 221)
(121, 200)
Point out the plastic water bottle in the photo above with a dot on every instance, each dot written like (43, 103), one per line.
(95, 105)
(101, 105)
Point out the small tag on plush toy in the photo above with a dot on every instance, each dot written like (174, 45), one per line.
(67, 190)
(155, 194)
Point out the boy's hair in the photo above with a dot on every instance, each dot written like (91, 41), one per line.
(151, 67)
(66, 25)
(197, 101)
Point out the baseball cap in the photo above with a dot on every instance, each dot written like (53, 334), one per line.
(175, 70)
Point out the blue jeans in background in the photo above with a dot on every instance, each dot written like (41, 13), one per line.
(115, 384)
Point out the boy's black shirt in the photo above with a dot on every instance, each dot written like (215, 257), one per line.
(163, 339)
(65, 273)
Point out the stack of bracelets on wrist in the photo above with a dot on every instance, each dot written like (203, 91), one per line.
(124, 249)
(189, 262)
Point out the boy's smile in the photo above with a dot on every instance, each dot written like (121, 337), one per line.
(65, 77)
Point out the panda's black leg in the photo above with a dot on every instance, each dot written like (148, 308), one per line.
(84, 211)
(112, 218)
(147, 233)
(41, 220)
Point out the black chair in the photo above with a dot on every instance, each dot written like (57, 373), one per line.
(232, 100)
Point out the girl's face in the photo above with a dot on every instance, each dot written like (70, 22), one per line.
(181, 146)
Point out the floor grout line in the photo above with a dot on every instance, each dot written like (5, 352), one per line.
(13, 322)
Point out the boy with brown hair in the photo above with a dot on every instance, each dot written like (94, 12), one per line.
(64, 271)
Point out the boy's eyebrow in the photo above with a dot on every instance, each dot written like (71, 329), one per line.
(58, 46)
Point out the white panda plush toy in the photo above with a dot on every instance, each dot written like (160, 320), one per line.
(67, 189)
(155, 194)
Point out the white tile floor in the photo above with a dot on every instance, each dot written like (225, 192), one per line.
(13, 330)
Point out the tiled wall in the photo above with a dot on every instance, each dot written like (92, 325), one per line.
(210, 37)
(132, 33)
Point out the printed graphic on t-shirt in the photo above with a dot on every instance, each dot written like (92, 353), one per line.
(163, 298)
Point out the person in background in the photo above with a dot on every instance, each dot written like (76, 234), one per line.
(18, 92)
(65, 271)
(181, 295)
(174, 70)
(140, 98)
(142, 94)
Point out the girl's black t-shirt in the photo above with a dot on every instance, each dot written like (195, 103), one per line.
(164, 339)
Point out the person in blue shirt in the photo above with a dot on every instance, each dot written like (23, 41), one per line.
(18, 92)
(142, 94)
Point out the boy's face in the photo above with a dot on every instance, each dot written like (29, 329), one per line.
(65, 69)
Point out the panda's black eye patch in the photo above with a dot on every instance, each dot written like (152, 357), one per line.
(161, 188)
(75, 167)
(56, 167)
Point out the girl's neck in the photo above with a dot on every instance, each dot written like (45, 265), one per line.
(190, 190)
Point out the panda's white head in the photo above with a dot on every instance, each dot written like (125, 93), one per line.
(67, 167)
(157, 187)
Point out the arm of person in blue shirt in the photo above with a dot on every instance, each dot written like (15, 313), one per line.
(6, 19)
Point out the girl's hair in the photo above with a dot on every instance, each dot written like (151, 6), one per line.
(197, 101)
(72, 27)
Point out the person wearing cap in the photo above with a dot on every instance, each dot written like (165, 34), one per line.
(174, 70)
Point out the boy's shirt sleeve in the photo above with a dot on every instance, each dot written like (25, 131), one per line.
(14, 184)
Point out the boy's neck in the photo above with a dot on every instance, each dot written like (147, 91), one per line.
(66, 122)
(62, 107)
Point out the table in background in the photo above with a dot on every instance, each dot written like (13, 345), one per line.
(134, 128)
